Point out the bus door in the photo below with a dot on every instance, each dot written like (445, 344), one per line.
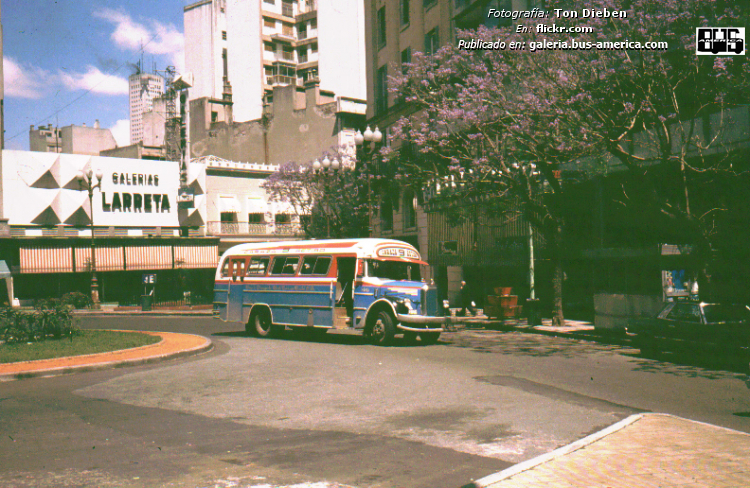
(344, 306)
(364, 295)
(236, 289)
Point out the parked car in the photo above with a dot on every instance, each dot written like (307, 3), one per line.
(693, 324)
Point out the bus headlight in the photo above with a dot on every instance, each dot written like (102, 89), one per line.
(410, 306)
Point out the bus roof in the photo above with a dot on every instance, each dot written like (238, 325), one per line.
(362, 247)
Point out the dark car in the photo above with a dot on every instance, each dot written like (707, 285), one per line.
(694, 324)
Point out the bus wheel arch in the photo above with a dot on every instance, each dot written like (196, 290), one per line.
(260, 322)
(381, 325)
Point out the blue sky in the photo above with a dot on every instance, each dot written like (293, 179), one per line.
(67, 61)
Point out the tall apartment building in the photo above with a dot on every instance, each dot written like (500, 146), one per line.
(247, 47)
(144, 88)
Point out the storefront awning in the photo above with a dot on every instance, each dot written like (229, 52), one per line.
(157, 256)
(196, 256)
(46, 259)
(108, 258)
(229, 205)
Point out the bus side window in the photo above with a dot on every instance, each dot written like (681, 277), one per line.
(257, 267)
(308, 265)
(225, 268)
(321, 265)
(285, 265)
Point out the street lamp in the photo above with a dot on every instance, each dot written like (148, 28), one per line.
(90, 181)
(367, 143)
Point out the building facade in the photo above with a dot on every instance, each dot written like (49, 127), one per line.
(247, 47)
(144, 88)
(138, 227)
(394, 31)
(73, 139)
(299, 125)
(238, 208)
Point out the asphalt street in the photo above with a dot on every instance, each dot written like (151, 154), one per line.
(255, 412)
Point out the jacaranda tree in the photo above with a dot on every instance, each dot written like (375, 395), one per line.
(501, 122)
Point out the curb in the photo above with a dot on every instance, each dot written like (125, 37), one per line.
(83, 368)
(487, 481)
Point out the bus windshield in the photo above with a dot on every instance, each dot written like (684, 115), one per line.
(393, 270)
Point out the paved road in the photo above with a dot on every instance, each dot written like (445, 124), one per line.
(287, 411)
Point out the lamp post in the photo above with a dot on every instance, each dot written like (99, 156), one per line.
(90, 181)
(367, 143)
(322, 167)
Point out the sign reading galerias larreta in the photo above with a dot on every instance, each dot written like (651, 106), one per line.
(143, 197)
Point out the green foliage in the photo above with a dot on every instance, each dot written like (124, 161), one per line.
(46, 323)
(87, 342)
(77, 299)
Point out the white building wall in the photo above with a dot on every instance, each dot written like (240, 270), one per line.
(341, 48)
(204, 23)
(144, 87)
(245, 55)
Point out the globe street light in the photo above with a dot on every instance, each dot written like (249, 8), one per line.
(89, 181)
(366, 144)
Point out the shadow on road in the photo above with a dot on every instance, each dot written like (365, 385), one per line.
(327, 337)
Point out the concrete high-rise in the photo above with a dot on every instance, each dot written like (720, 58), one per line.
(246, 47)
(144, 88)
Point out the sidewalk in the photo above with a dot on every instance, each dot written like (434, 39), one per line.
(171, 346)
(644, 450)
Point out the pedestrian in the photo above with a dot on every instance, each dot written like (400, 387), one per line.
(467, 305)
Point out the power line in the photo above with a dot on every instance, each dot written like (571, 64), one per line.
(89, 90)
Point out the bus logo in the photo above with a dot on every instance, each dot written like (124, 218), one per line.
(720, 41)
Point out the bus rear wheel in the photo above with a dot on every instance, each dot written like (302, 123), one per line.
(383, 329)
(261, 322)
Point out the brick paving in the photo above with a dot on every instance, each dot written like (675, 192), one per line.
(648, 450)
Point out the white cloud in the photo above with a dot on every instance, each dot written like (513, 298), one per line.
(24, 81)
(95, 81)
(154, 37)
(121, 132)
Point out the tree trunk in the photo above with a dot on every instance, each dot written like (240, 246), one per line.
(557, 277)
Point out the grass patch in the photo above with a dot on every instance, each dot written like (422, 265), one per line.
(86, 342)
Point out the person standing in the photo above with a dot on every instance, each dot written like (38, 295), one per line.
(467, 305)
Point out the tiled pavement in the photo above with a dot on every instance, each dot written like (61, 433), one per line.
(645, 450)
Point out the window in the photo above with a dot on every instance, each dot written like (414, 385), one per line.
(314, 24)
(287, 30)
(287, 53)
(404, 12)
(381, 90)
(302, 31)
(225, 269)
(431, 41)
(224, 62)
(255, 218)
(257, 267)
(285, 265)
(302, 55)
(410, 209)
(272, 2)
(386, 213)
(314, 47)
(316, 265)
(381, 31)
(283, 219)
(268, 47)
(428, 3)
(405, 59)
(224, 35)
(228, 217)
(269, 23)
(287, 8)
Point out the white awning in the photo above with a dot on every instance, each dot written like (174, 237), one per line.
(229, 205)
(256, 205)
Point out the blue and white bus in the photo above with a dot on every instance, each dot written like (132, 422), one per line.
(370, 285)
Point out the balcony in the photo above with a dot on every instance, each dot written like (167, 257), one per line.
(215, 228)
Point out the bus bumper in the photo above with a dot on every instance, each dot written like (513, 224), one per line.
(422, 323)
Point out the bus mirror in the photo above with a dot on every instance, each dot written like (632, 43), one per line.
(361, 268)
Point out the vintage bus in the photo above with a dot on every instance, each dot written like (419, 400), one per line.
(370, 285)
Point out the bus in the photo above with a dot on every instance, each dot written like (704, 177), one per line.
(369, 285)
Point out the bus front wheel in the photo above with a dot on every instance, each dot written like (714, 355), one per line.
(383, 329)
(262, 324)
